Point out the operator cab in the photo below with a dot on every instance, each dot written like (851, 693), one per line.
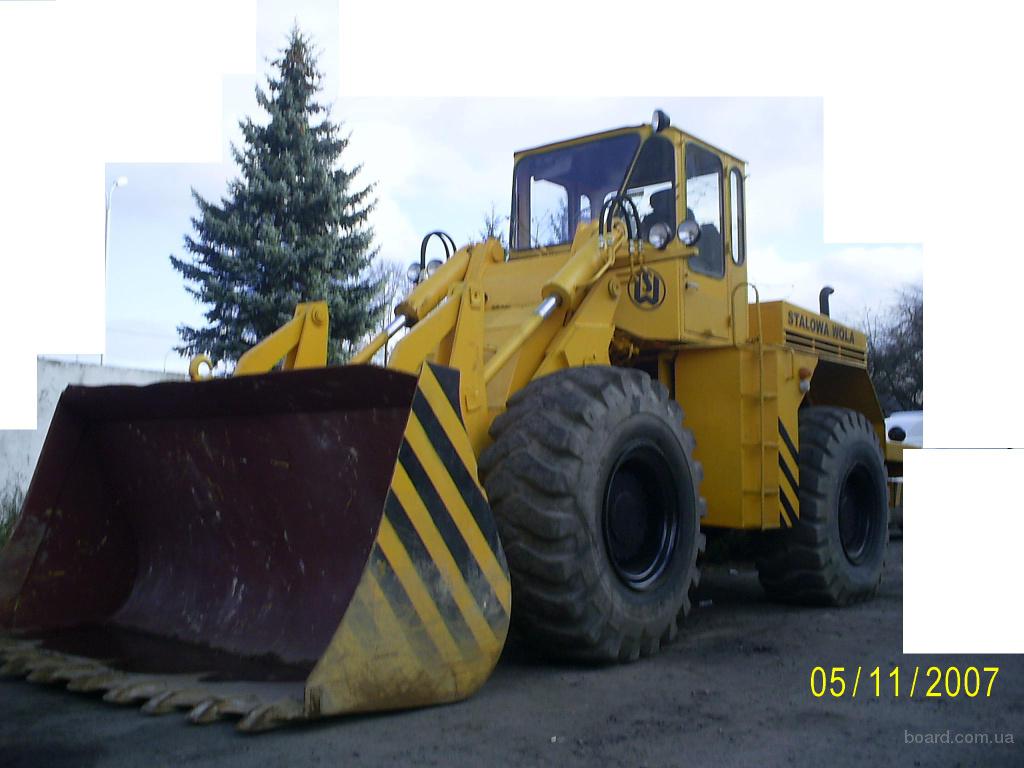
(558, 187)
(698, 223)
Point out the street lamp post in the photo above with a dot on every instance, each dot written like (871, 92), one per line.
(120, 181)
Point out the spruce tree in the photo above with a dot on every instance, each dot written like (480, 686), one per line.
(292, 228)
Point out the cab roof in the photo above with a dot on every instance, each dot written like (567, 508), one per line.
(643, 129)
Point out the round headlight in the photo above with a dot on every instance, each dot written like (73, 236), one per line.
(432, 266)
(689, 232)
(413, 273)
(659, 235)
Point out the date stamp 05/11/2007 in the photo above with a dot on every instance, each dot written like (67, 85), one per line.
(931, 682)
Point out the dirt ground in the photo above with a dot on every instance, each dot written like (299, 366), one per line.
(734, 690)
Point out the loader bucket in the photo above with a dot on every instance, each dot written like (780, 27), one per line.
(274, 547)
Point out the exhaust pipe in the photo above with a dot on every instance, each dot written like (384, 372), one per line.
(823, 299)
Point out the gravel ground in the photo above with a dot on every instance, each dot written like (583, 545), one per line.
(733, 690)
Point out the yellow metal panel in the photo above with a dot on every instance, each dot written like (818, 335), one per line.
(517, 283)
(704, 378)
(758, 403)
(396, 559)
(486, 561)
(810, 332)
(430, 615)
(382, 638)
(742, 405)
(585, 341)
(500, 326)
(706, 306)
(652, 308)
(406, 494)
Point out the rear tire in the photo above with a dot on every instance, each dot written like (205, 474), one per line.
(595, 491)
(835, 552)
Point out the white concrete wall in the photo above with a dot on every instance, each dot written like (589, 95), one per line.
(19, 448)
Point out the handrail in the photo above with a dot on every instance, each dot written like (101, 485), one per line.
(759, 344)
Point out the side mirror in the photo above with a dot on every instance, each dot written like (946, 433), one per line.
(688, 232)
(898, 434)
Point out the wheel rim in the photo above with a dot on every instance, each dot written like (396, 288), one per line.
(640, 517)
(858, 501)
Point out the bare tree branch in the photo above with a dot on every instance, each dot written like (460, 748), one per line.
(896, 351)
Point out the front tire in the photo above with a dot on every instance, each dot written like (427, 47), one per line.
(835, 551)
(595, 491)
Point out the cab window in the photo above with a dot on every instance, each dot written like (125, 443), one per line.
(652, 185)
(736, 239)
(556, 190)
(704, 205)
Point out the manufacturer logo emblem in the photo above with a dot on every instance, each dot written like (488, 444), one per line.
(647, 289)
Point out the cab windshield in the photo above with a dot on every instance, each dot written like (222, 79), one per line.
(553, 192)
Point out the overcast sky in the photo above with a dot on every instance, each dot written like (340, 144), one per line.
(442, 163)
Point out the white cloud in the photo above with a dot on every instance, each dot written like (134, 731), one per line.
(783, 200)
(394, 234)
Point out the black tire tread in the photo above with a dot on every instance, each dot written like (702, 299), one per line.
(797, 565)
(530, 474)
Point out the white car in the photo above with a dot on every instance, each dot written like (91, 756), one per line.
(912, 424)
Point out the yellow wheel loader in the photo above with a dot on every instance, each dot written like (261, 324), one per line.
(553, 433)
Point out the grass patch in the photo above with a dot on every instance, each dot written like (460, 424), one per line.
(11, 499)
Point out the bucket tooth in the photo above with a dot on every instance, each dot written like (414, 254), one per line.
(169, 701)
(101, 681)
(54, 670)
(238, 706)
(72, 672)
(161, 704)
(269, 716)
(22, 663)
(14, 666)
(214, 708)
(205, 712)
(135, 691)
(42, 673)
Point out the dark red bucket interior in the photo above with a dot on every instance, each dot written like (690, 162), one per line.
(234, 515)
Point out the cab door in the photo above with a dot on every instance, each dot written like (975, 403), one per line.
(705, 287)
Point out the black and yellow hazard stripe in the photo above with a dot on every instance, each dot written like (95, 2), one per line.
(789, 487)
(432, 611)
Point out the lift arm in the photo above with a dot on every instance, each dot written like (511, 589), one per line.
(302, 342)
